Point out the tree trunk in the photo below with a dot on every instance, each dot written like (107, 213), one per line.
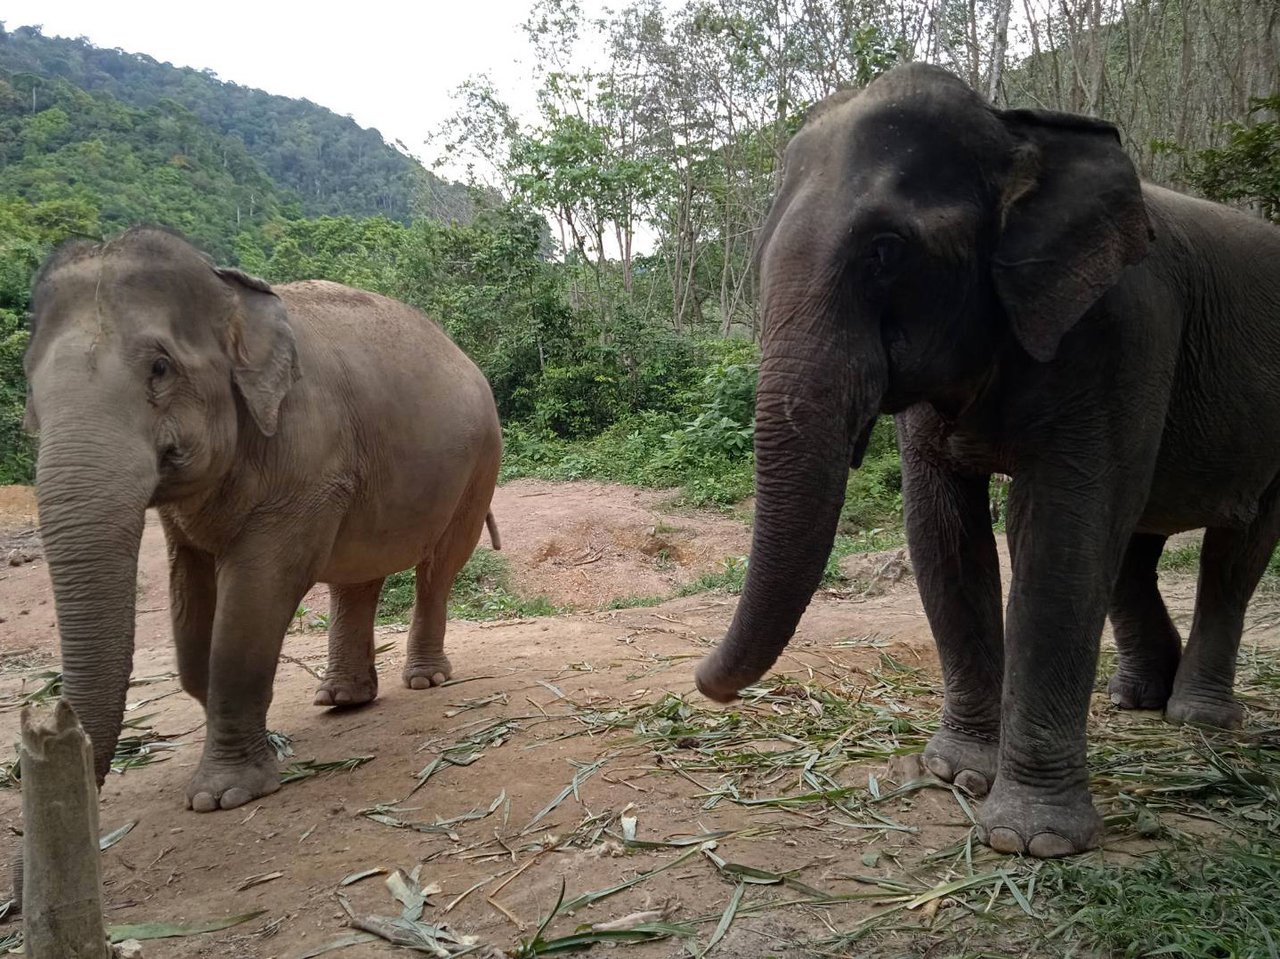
(62, 889)
(998, 47)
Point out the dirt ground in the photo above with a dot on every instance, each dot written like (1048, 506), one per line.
(522, 689)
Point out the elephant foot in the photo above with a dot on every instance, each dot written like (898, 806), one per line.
(427, 671)
(347, 689)
(965, 758)
(227, 785)
(1020, 820)
(1139, 689)
(1203, 710)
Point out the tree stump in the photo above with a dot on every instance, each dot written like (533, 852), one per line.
(62, 883)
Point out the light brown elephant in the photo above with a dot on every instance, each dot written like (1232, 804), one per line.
(307, 433)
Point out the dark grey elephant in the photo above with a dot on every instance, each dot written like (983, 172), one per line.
(310, 433)
(1003, 283)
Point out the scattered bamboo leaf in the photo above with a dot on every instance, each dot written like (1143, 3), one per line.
(354, 939)
(295, 772)
(354, 877)
(251, 881)
(113, 837)
(173, 930)
(726, 920)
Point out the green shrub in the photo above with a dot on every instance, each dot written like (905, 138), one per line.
(873, 494)
(17, 449)
(576, 401)
(481, 590)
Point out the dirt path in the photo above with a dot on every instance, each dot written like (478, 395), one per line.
(593, 696)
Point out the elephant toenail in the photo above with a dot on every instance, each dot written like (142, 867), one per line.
(235, 796)
(438, 679)
(1049, 845)
(974, 783)
(203, 802)
(1005, 840)
(939, 767)
(419, 682)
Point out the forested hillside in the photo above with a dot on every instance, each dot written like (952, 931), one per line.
(333, 165)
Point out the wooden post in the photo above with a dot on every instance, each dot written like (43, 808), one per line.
(62, 887)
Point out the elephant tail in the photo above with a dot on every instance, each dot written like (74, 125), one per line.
(492, 524)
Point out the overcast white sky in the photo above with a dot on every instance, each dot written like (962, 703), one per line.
(390, 65)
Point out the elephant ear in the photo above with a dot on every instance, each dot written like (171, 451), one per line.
(1072, 219)
(264, 356)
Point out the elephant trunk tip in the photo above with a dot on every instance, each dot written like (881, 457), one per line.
(722, 682)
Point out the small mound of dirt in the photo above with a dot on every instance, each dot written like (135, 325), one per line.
(875, 573)
(593, 543)
(17, 507)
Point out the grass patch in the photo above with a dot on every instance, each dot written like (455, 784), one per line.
(1185, 558)
(1178, 902)
(639, 450)
(728, 579)
(635, 602)
(482, 590)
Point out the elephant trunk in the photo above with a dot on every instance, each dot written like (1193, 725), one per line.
(93, 491)
(814, 415)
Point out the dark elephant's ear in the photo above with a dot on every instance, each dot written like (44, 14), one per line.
(264, 356)
(1072, 219)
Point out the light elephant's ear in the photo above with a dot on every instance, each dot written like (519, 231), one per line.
(1072, 219)
(264, 356)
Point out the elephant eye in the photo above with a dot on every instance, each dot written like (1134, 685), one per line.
(883, 254)
(160, 368)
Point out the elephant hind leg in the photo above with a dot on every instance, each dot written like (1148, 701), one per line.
(350, 679)
(1232, 562)
(426, 664)
(1148, 643)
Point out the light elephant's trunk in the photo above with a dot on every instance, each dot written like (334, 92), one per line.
(92, 489)
(93, 493)
(814, 412)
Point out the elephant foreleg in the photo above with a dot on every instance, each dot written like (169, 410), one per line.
(957, 570)
(1068, 537)
(1148, 643)
(259, 589)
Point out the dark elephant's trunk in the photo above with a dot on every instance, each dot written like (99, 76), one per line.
(93, 492)
(814, 412)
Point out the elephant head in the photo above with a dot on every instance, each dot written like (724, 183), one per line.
(919, 235)
(146, 364)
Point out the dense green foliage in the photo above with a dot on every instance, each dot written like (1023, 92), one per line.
(1247, 167)
(119, 165)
